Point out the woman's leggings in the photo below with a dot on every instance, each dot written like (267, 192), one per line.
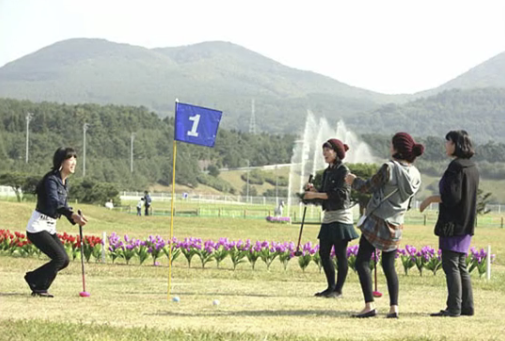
(388, 265)
(329, 269)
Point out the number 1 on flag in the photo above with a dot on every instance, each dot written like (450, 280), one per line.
(196, 125)
(196, 120)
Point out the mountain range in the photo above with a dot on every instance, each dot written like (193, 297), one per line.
(228, 77)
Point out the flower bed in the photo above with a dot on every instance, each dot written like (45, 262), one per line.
(155, 247)
(282, 220)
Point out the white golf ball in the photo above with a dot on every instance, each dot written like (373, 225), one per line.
(215, 302)
(176, 299)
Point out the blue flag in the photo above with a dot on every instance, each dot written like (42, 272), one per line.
(196, 125)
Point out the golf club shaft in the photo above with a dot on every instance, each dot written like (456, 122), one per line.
(82, 257)
(375, 268)
(303, 220)
(301, 229)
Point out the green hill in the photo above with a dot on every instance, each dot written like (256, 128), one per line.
(227, 77)
(213, 74)
(489, 74)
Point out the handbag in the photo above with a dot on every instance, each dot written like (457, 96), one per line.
(364, 217)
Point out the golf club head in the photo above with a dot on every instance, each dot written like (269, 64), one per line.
(298, 253)
(377, 294)
(84, 294)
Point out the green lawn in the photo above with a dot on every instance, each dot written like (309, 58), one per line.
(129, 302)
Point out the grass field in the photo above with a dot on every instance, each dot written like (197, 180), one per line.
(131, 303)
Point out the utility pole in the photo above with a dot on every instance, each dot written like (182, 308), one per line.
(276, 188)
(252, 121)
(29, 117)
(85, 127)
(132, 138)
(247, 186)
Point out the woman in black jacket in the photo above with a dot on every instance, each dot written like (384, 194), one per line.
(41, 229)
(456, 220)
(337, 228)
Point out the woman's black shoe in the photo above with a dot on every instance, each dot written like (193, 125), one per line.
(329, 293)
(32, 286)
(468, 312)
(41, 293)
(324, 293)
(392, 316)
(464, 312)
(370, 313)
(444, 313)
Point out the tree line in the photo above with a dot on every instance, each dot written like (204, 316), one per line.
(108, 144)
(112, 128)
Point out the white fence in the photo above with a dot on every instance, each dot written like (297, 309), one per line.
(200, 198)
(258, 200)
(7, 191)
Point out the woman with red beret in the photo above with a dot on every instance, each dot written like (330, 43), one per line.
(337, 227)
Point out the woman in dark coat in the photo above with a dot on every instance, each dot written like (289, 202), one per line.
(456, 220)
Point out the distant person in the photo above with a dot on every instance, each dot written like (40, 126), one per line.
(392, 189)
(139, 206)
(41, 229)
(147, 202)
(337, 229)
(456, 221)
(109, 204)
(278, 211)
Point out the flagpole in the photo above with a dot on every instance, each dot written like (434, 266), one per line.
(188, 123)
(174, 155)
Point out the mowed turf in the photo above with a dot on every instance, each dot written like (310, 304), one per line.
(129, 302)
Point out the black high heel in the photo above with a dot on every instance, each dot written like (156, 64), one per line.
(370, 313)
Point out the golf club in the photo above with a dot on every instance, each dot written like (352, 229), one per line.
(376, 293)
(298, 253)
(83, 293)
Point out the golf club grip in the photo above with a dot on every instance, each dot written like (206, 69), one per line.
(311, 177)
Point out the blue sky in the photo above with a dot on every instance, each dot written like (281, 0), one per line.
(388, 46)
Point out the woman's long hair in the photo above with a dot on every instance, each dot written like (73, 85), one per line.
(59, 157)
